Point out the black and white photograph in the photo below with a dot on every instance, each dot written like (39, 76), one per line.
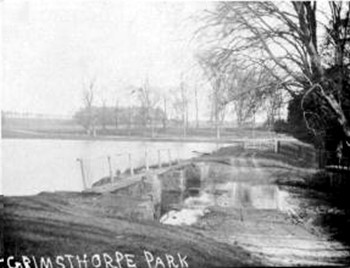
(174, 134)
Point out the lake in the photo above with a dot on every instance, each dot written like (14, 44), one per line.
(30, 166)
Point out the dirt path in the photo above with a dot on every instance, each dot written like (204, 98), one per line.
(274, 234)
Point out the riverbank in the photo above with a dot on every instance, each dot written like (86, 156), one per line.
(54, 224)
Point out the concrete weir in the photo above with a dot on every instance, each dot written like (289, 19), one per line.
(160, 190)
(149, 187)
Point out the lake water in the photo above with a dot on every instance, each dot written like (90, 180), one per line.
(32, 166)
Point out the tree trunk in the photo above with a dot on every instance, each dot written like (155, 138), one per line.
(165, 117)
(341, 118)
(196, 106)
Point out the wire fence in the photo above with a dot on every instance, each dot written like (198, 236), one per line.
(113, 166)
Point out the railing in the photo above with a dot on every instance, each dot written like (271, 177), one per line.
(323, 158)
(112, 166)
(288, 147)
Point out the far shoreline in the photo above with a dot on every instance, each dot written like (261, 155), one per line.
(189, 139)
(118, 138)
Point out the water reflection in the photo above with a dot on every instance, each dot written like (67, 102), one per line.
(188, 206)
(245, 195)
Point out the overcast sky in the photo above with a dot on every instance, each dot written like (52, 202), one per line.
(51, 47)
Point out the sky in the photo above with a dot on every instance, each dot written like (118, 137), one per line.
(51, 49)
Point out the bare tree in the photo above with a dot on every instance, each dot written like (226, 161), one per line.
(218, 96)
(179, 102)
(273, 105)
(149, 101)
(165, 116)
(283, 40)
(104, 118)
(89, 119)
(245, 89)
(116, 114)
(196, 105)
(184, 106)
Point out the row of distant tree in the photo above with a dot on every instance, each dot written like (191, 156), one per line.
(152, 109)
(120, 117)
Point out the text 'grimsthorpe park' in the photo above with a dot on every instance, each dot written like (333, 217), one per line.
(104, 260)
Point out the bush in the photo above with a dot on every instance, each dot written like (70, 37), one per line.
(281, 126)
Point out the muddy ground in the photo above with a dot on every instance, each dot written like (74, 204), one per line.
(54, 224)
(51, 225)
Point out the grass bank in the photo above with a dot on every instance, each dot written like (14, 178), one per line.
(51, 225)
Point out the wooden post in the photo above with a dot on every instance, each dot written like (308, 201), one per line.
(277, 146)
(241, 216)
(82, 172)
(130, 165)
(110, 168)
(159, 160)
(182, 181)
(146, 160)
(169, 156)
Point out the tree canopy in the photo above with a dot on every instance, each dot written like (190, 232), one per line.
(298, 47)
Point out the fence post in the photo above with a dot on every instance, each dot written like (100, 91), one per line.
(130, 165)
(82, 172)
(277, 146)
(169, 156)
(159, 160)
(110, 167)
(146, 160)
